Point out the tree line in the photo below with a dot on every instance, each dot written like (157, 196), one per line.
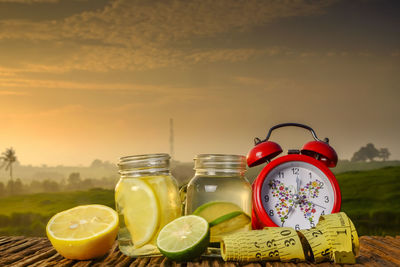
(182, 172)
(73, 183)
(370, 153)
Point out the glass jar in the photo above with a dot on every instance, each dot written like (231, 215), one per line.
(218, 191)
(146, 198)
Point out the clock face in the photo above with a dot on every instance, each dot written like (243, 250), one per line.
(296, 193)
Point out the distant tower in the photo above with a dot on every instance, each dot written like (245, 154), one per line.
(171, 138)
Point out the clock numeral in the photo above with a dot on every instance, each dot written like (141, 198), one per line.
(310, 174)
(266, 198)
(323, 212)
(271, 213)
(280, 175)
(326, 199)
(312, 224)
(297, 228)
(295, 170)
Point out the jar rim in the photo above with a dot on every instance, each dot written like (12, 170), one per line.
(220, 156)
(225, 162)
(126, 159)
(144, 163)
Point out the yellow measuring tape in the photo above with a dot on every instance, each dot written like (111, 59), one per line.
(333, 239)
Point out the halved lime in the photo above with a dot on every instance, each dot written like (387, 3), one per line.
(215, 209)
(185, 238)
(225, 217)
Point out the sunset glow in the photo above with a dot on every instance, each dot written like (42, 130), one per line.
(87, 79)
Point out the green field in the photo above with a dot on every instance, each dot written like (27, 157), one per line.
(28, 214)
(370, 198)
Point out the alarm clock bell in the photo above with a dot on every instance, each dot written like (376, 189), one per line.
(265, 151)
(321, 150)
(262, 152)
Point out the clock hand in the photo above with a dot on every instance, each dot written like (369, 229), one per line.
(289, 211)
(292, 189)
(315, 204)
(298, 184)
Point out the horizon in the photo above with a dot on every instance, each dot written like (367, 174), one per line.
(81, 165)
(81, 80)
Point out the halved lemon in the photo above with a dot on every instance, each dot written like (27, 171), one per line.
(83, 232)
(140, 208)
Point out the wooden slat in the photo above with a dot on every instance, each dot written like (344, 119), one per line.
(20, 251)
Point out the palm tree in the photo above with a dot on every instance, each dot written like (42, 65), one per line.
(8, 157)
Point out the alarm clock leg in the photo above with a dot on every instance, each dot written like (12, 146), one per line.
(255, 223)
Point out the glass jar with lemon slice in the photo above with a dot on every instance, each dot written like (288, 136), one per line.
(146, 198)
(220, 193)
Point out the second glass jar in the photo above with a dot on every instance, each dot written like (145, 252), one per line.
(220, 192)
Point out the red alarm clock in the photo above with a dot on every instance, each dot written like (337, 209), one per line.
(295, 189)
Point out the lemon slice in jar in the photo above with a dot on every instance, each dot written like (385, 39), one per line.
(166, 191)
(140, 209)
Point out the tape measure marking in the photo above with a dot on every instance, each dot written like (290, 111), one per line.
(333, 239)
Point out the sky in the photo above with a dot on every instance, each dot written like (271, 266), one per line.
(95, 79)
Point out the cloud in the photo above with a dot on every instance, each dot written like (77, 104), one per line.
(230, 55)
(395, 53)
(139, 35)
(135, 23)
(142, 23)
(22, 82)
(29, 1)
(159, 94)
(12, 93)
(251, 81)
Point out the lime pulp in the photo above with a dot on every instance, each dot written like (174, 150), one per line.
(185, 238)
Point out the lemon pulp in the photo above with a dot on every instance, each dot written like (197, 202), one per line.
(83, 232)
(142, 213)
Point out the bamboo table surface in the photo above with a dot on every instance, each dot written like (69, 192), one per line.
(37, 251)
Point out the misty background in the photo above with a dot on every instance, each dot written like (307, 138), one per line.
(85, 82)
(81, 80)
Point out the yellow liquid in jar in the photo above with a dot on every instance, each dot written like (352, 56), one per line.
(166, 194)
